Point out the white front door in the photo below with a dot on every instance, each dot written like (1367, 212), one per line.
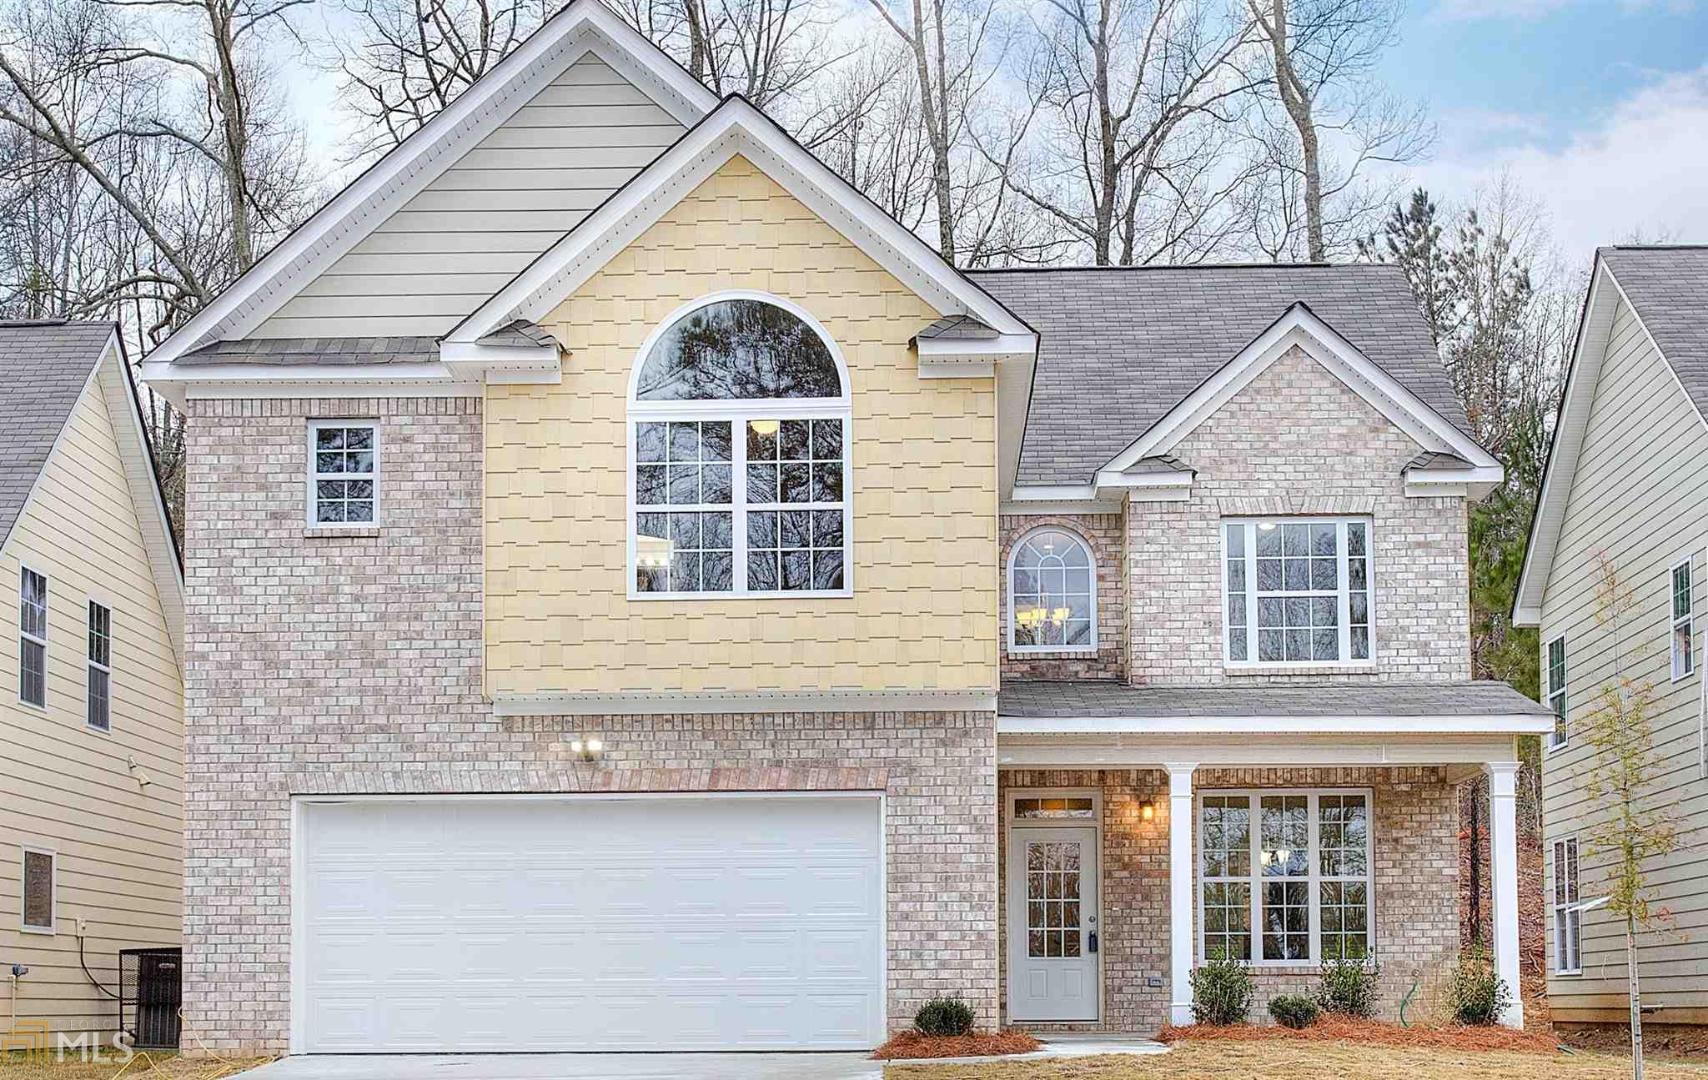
(1052, 923)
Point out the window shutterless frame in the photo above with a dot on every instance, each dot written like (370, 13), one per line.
(1567, 956)
(311, 486)
(1089, 646)
(98, 678)
(34, 588)
(1313, 874)
(738, 412)
(1681, 631)
(1554, 683)
(1341, 594)
(35, 857)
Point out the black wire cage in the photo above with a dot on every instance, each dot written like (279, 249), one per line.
(151, 990)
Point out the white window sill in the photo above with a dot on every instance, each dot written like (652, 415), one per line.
(1022, 653)
(1578, 974)
(45, 931)
(1356, 667)
(341, 532)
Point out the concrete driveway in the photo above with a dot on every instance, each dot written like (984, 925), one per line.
(572, 1067)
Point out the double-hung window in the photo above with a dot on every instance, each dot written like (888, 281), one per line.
(739, 456)
(32, 638)
(1297, 590)
(1568, 926)
(1556, 682)
(1683, 641)
(100, 679)
(343, 472)
(1285, 876)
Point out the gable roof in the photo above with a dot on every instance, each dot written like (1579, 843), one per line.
(44, 367)
(738, 127)
(1120, 348)
(1666, 287)
(408, 167)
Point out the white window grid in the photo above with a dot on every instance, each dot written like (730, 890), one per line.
(1313, 876)
(1090, 643)
(1241, 605)
(24, 873)
(738, 414)
(99, 706)
(33, 589)
(1682, 638)
(1554, 676)
(315, 476)
(1568, 917)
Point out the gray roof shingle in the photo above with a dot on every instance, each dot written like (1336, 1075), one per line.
(1119, 348)
(1668, 287)
(44, 366)
(328, 351)
(1043, 698)
(959, 327)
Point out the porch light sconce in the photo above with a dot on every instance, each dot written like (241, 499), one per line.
(588, 750)
(1147, 811)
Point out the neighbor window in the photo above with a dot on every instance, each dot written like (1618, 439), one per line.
(1285, 876)
(32, 638)
(343, 471)
(1556, 676)
(1052, 593)
(739, 434)
(100, 666)
(1683, 647)
(1568, 927)
(1298, 591)
(38, 890)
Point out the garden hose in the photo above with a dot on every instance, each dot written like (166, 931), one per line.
(1406, 1001)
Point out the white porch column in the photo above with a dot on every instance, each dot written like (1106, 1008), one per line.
(1180, 863)
(1503, 875)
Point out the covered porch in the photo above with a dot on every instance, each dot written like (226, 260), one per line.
(1144, 829)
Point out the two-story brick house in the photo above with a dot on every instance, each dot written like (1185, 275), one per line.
(641, 597)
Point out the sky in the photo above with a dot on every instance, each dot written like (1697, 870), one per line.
(1597, 110)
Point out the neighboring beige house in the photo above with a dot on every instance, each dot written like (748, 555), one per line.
(642, 598)
(1625, 480)
(91, 717)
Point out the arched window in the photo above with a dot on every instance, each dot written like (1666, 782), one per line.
(1052, 593)
(738, 422)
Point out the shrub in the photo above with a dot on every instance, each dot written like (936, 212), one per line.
(1293, 1010)
(944, 1016)
(1221, 992)
(1348, 988)
(1476, 994)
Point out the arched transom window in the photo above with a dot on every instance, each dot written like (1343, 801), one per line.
(738, 424)
(1052, 593)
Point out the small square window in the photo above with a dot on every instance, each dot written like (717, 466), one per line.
(343, 472)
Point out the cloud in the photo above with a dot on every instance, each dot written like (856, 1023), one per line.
(1637, 169)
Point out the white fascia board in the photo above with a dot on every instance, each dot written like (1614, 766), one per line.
(1301, 327)
(581, 27)
(511, 364)
(1499, 724)
(999, 348)
(222, 381)
(735, 127)
(1588, 353)
(1061, 499)
(1467, 752)
(1474, 483)
(649, 702)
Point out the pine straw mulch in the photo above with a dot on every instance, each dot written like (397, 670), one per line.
(146, 1065)
(914, 1044)
(1331, 1028)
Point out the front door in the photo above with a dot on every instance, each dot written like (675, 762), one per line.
(1052, 923)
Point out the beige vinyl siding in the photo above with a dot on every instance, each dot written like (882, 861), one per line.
(476, 225)
(64, 786)
(1640, 494)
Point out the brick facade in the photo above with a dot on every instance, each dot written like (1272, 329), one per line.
(351, 664)
(1414, 878)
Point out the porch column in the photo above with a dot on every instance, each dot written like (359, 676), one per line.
(1180, 892)
(1503, 874)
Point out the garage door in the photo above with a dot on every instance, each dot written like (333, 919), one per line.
(591, 923)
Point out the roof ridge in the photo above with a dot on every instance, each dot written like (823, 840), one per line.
(1181, 266)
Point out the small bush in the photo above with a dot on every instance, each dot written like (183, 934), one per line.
(1476, 994)
(944, 1016)
(1293, 1010)
(1221, 992)
(1348, 988)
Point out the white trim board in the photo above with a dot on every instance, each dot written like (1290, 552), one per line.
(581, 27)
(1595, 329)
(1301, 327)
(1513, 724)
(648, 702)
(738, 127)
(1126, 752)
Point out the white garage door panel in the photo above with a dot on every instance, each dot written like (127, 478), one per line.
(469, 924)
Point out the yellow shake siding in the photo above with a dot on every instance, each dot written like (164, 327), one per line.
(923, 482)
(64, 786)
